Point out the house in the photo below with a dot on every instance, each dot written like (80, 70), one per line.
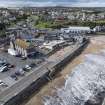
(23, 48)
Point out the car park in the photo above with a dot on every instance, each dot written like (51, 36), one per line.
(13, 64)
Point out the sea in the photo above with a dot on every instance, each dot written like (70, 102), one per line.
(84, 86)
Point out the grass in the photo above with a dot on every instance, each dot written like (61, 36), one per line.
(44, 25)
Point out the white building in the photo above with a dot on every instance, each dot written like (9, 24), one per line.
(52, 44)
(12, 52)
(75, 29)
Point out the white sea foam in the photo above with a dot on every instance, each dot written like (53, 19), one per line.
(85, 84)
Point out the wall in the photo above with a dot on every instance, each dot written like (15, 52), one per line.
(58, 66)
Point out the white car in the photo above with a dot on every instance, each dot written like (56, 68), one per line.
(3, 84)
(3, 68)
(28, 67)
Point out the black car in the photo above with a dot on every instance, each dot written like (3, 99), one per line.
(32, 65)
(23, 58)
(25, 69)
(18, 55)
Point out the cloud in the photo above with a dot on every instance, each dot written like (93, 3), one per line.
(71, 3)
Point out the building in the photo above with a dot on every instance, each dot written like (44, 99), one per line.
(23, 48)
(76, 29)
(52, 35)
(99, 28)
(52, 45)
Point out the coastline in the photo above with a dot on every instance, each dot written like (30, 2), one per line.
(50, 88)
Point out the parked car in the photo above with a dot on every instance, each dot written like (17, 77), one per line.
(6, 64)
(14, 76)
(24, 58)
(20, 72)
(18, 55)
(32, 65)
(39, 61)
(2, 62)
(3, 68)
(3, 84)
(27, 68)
(11, 66)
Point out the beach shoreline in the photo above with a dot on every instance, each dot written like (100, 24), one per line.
(96, 44)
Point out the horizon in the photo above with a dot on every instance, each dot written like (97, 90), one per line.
(52, 3)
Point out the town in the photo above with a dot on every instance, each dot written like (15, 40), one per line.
(33, 41)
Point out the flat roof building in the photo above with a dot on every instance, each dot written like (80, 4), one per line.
(75, 29)
(53, 44)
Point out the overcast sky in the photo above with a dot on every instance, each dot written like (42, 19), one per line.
(79, 3)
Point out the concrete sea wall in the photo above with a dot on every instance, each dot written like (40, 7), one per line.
(68, 58)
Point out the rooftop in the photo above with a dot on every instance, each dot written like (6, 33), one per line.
(22, 43)
(79, 28)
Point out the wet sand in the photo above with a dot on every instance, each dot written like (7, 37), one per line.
(96, 44)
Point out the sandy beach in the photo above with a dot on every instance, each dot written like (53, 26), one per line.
(96, 44)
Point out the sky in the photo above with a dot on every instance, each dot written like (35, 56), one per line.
(38, 3)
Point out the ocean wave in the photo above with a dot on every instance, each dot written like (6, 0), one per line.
(84, 86)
